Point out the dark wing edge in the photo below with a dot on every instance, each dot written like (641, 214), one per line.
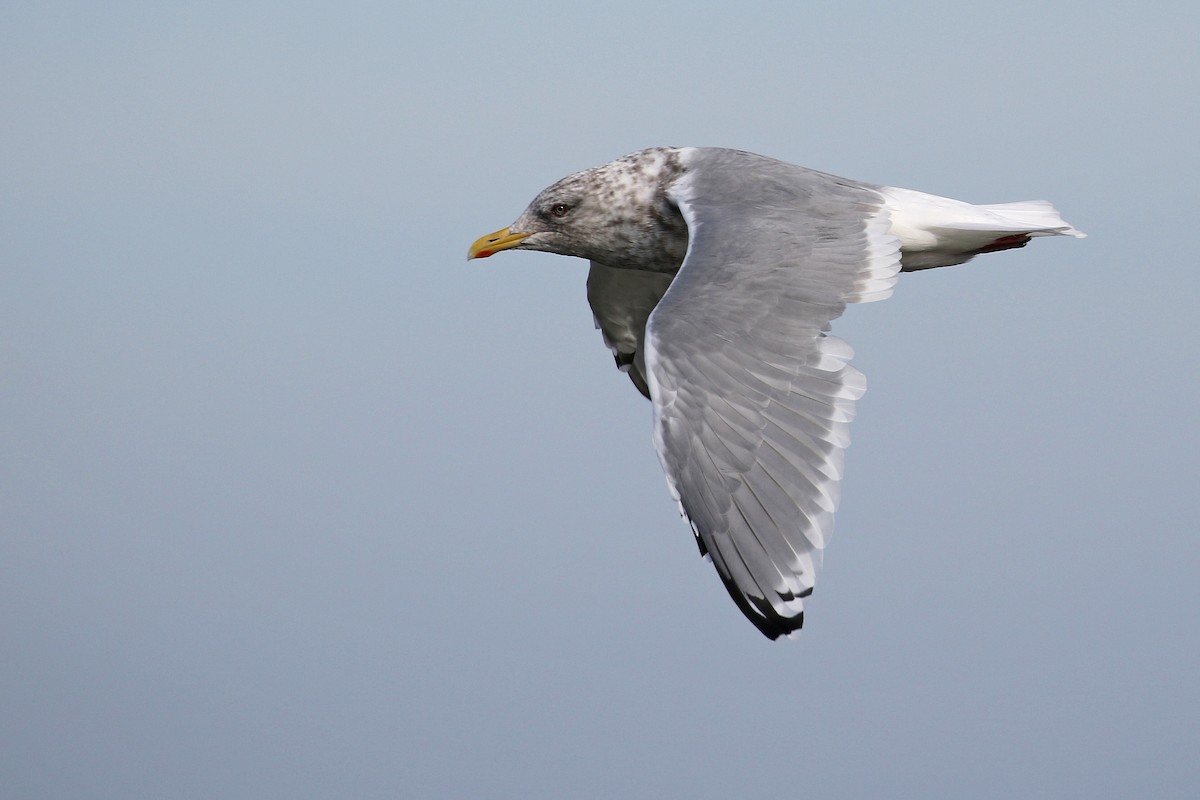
(752, 400)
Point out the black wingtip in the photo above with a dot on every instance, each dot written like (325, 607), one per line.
(769, 623)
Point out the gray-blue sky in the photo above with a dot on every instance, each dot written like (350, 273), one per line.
(297, 503)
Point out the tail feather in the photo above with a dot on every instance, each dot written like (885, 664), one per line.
(939, 232)
(1034, 217)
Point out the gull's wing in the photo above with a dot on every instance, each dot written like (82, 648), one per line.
(751, 399)
(621, 301)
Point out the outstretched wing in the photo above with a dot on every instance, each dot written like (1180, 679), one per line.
(752, 400)
(621, 301)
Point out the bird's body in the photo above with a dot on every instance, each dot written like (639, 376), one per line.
(714, 276)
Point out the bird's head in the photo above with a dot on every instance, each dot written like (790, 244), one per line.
(617, 214)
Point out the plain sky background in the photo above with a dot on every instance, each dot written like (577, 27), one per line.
(297, 503)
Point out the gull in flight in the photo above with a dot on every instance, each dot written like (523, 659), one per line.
(714, 277)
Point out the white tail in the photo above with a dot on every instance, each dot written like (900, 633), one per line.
(939, 232)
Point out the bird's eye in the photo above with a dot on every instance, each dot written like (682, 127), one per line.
(560, 209)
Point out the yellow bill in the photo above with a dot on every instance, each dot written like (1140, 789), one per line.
(493, 243)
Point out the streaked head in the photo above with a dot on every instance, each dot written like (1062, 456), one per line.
(617, 214)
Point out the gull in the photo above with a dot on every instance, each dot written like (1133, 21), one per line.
(714, 277)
